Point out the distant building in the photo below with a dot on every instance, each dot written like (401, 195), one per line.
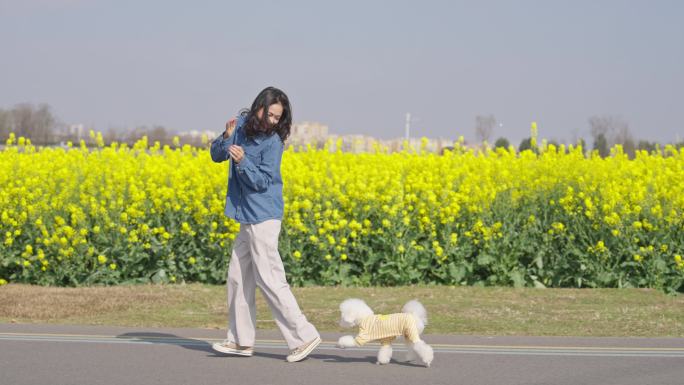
(76, 131)
(317, 135)
(196, 134)
(304, 133)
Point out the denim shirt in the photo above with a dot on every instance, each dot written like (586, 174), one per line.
(255, 186)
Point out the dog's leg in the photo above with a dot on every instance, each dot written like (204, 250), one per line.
(346, 342)
(410, 353)
(384, 354)
(424, 351)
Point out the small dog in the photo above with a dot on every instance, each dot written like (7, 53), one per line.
(410, 323)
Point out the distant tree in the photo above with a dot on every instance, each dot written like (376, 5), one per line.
(645, 145)
(614, 130)
(5, 124)
(159, 133)
(36, 123)
(629, 147)
(44, 124)
(484, 127)
(582, 143)
(624, 137)
(136, 134)
(21, 119)
(525, 144)
(502, 142)
(601, 144)
(601, 125)
(114, 135)
(154, 134)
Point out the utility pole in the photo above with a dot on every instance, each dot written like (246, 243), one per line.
(407, 130)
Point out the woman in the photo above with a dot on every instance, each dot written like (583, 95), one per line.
(254, 141)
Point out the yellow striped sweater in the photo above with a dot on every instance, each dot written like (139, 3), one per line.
(385, 328)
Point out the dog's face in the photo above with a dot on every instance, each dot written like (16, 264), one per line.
(347, 322)
(352, 311)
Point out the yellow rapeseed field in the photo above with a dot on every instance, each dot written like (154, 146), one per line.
(553, 217)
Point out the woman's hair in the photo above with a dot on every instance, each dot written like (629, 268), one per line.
(255, 126)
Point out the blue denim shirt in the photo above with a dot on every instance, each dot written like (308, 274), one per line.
(255, 186)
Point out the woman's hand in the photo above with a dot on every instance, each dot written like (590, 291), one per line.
(236, 152)
(230, 127)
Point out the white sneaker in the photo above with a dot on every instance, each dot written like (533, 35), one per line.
(301, 352)
(228, 347)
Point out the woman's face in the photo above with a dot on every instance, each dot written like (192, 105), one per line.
(275, 111)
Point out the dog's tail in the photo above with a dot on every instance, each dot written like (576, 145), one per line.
(418, 310)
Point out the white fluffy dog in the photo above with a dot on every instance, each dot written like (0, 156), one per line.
(410, 323)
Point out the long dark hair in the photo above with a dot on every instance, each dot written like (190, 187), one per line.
(255, 126)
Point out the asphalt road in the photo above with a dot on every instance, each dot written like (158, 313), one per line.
(74, 355)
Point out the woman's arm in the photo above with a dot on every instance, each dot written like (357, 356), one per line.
(219, 147)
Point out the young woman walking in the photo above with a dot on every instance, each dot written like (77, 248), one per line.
(254, 142)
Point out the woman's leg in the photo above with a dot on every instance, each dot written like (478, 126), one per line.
(270, 277)
(241, 288)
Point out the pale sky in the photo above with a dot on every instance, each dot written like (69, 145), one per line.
(357, 66)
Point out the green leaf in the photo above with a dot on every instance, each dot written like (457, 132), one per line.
(518, 278)
(457, 273)
(484, 259)
(160, 277)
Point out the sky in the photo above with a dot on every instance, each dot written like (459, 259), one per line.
(356, 66)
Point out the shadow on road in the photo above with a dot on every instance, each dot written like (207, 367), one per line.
(367, 359)
(205, 347)
(169, 339)
(188, 343)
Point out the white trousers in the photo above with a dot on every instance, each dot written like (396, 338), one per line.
(255, 261)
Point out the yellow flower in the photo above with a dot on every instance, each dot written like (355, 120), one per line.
(192, 260)
(112, 266)
(101, 259)
(343, 257)
(453, 238)
(3, 282)
(297, 254)
(557, 226)
(601, 247)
